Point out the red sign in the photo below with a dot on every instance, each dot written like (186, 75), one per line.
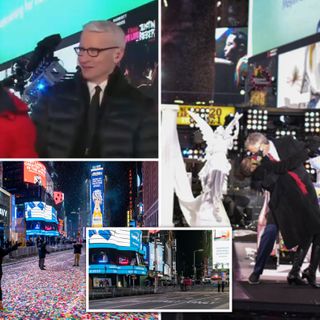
(58, 197)
(35, 172)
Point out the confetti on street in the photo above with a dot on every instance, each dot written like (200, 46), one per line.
(56, 293)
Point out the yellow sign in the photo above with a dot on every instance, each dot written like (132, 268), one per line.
(216, 114)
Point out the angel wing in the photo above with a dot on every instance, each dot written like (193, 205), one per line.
(206, 130)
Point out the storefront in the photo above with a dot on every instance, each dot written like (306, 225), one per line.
(115, 258)
(5, 209)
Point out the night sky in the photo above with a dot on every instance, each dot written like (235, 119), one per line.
(187, 242)
(71, 178)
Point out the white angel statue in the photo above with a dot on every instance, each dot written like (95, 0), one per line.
(213, 175)
(207, 208)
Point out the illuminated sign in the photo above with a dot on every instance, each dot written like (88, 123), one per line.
(38, 210)
(216, 115)
(58, 197)
(221, 247)
(159, 261)
(97, 196)
(35, 172)
(145, 31)
(121, 239)
(3, 212)
(111, 268)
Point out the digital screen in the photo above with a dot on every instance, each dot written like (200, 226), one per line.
(261, 81)
(38, 210)
(35, 172)
(230, 64)
(299, 78)
(216, 114)
(221, 247)
(104, 269)
(159, 251)
(120, 239)
(275, 23)
(97, 196)
(23, 23)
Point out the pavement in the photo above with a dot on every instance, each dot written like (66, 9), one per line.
(198, 298)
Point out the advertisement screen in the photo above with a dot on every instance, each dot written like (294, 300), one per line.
(20, 16)
(97, 196)
(38, 210)
(109, 268)
(279, 19)
(299, 78)
(230, 64)
(4, 207)
(216, 114)
(120, 239)
(262, 80)
(221, 246)
(101, 282)
(35, 172)
(141, 29)
(159, 249)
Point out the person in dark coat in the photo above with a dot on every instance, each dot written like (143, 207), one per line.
(42, 251)
(97, 113)
(77, 252)
(293, 201)
(4, 252)
(14, 120)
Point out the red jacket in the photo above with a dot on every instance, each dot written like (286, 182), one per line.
(17, 133)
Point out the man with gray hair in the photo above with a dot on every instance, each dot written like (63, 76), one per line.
(97, 114)
(293, 206)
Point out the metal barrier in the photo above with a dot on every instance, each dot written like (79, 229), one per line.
(23, 252)
(118, 292)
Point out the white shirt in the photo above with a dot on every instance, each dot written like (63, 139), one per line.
(273, 151)
(92, 88)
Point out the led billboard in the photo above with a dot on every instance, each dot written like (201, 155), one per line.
(299, 78)
(97, 196)
(120, 239)
(35, 172)
(19, 16)
(274, 23)
(37, 210)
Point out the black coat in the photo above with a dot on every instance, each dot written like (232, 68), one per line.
(296, 214)
(42, 250)
(4, 252)
(127, 124)
(77, 248)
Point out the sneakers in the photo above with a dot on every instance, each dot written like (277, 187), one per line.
(254, 278)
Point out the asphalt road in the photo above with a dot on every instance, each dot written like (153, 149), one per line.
(200, 298)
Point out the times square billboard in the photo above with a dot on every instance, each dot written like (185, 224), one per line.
(35, 172)
(221, 248)
(41, 219)
(97, 196)
(119, 239)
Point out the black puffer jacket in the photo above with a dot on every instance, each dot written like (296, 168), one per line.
(127, 126)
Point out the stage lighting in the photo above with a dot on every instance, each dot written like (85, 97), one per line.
(257, 119)
(312, 122)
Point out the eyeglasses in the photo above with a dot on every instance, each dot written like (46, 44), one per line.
(92, 52)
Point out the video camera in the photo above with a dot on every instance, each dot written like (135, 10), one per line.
(31, 77)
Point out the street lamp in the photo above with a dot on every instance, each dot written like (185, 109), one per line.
(194, 262)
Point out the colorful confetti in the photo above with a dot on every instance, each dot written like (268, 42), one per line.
(56, 293)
